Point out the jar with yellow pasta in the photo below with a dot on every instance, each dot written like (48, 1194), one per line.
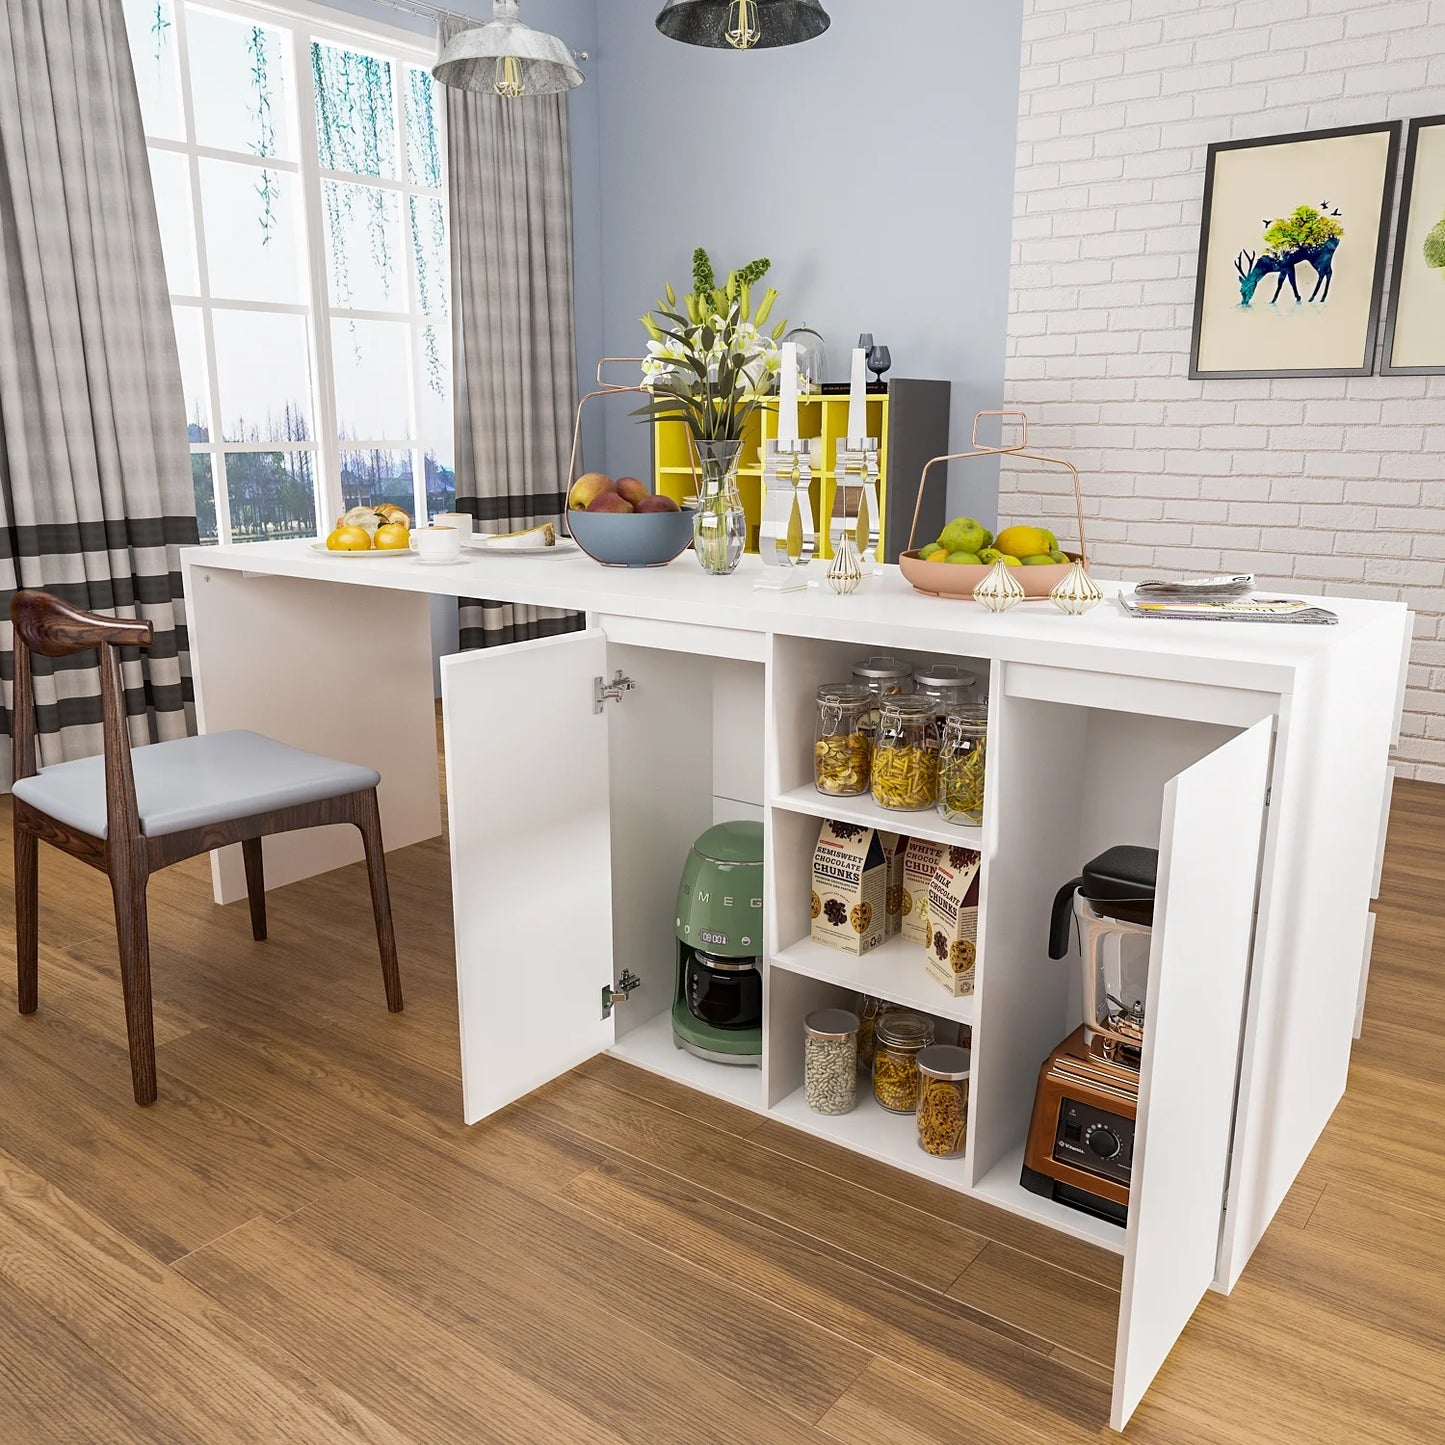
(840, 745)
(898, 1039)
(905, 755)
(943, 1073)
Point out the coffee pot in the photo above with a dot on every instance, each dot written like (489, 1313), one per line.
(1113, 902)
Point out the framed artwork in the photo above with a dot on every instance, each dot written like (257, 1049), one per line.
(1292, 253)
(1415, 331)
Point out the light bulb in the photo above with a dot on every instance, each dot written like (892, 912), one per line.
(507, 77)
(743, 30)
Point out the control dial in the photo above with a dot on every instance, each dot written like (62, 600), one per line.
(1102, 1141)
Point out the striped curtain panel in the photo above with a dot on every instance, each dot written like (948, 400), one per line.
(514, 355)
(95, 481)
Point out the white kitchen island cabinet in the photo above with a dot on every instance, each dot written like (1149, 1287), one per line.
(581, 768)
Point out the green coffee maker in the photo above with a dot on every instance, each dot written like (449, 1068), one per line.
(717, 1004)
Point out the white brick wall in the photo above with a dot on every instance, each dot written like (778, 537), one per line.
(1330, 485)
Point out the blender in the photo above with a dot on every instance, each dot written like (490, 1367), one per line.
(1080, 1148)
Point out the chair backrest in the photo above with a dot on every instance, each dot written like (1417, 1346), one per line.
(45, 624)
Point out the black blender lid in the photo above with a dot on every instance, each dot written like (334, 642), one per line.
(1122, 873)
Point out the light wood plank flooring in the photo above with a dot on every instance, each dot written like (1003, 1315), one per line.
(300, 1242)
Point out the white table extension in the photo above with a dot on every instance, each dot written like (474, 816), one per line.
(1256, 758)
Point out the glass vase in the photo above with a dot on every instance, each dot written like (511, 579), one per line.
(719, 526)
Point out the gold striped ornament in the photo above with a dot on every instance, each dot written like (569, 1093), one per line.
(999, 590)
(1077, 592)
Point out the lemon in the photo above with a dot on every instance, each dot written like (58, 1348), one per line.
(1010, 561)
(349, 539)
(989, 556)
(391, 537)
(1024, 541)
(932, 550)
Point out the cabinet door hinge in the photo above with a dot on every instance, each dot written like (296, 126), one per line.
(615, 994)
(614, 691)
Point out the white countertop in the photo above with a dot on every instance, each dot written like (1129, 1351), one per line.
(885, 611)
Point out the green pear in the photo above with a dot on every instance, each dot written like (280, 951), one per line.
(1057, 557)
(963, 534)
(963, 559)
(989, 556)
(1042, 560)
(932, 550)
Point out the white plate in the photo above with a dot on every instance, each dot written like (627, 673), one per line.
(480, 543)
(371, 552)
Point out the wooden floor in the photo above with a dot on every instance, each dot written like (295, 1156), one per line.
(300, 1242)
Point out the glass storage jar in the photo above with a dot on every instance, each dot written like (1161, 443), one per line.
(943, 1072)
(884, 676)
(949, 686)
(961, 761)
(870, 1010)
(905, 755)
(898, 1038)
(841, 747)
(830, 1060)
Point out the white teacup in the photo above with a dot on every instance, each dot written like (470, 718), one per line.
(436, 544)
(460, 520)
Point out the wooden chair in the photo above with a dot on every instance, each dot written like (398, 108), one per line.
(132, 814)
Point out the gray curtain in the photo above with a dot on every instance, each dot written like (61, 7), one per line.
(95, 480)
(514, 359)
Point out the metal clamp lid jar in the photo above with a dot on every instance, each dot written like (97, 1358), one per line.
(885, 676)
(897, 1041)
(841, 747)
(905, 754)
(830, 1060)
(947, 684)
(943, 1100)
(962, 759)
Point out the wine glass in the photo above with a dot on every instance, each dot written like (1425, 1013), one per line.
(879, 360)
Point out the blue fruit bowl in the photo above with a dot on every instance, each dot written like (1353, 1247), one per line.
(632, 539)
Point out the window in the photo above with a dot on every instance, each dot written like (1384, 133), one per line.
(298, 167)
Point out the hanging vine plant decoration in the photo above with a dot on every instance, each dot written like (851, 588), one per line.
(424, 167)
(160, 23)
(267, 188)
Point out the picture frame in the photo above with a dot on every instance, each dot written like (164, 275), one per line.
(1260, 209)
(1415, 330)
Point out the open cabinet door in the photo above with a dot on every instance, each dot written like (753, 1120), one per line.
(528, 804)
(1209, 859)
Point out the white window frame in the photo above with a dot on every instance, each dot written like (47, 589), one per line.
(305, 22)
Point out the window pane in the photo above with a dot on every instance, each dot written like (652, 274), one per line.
(429, 254)
(355, 111)
(205, 488)
(423, 134)
(363, 247)
(272, 494)
(150, 25)
(240, 84)
(373, 379)
(369, 476)
(171, 182)
(252, 249)
(263, 365)
(191, 344)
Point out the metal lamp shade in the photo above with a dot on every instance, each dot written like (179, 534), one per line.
(542, 64)
(707, 22)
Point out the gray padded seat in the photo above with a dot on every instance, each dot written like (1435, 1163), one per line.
(191, 782)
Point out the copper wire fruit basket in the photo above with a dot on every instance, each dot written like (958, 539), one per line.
(947, 579)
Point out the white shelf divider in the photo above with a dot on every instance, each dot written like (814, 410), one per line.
(862, 809)
(893, 971)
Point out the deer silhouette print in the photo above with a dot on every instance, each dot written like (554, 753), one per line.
(1253, 269)
(1306, 234)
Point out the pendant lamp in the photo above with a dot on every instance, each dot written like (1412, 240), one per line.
(743, 24)
(507, 58)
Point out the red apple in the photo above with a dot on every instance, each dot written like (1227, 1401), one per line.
(587, 489)
(610, 502)
(657, 503)
(632, 490)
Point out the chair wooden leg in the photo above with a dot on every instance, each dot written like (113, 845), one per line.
(133, 935)
(27, 907)
(255, 886)
(369, 822)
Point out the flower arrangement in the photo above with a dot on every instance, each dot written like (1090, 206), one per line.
(709, 363)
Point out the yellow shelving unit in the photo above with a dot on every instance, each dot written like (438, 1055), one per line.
(822, 415)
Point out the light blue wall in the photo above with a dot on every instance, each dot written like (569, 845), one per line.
(874, 165)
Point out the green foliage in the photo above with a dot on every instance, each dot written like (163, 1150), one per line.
(703, 279)
(754, 271)
(160, 23)
(265, 142)
(1435, 245)
(1304, 226)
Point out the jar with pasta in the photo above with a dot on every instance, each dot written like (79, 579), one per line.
(949, 685)
(905, 755)
(962, 760)
(943, 1073)
(830, 1060)
(870, 1010)
(840, 746)
(898, 1039)
(884, 676)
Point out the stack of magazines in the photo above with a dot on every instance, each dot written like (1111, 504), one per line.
(1218, 599)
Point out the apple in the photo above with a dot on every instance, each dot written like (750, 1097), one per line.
(588, 488)
(630, 489)
(609, 502)
(655, 503)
